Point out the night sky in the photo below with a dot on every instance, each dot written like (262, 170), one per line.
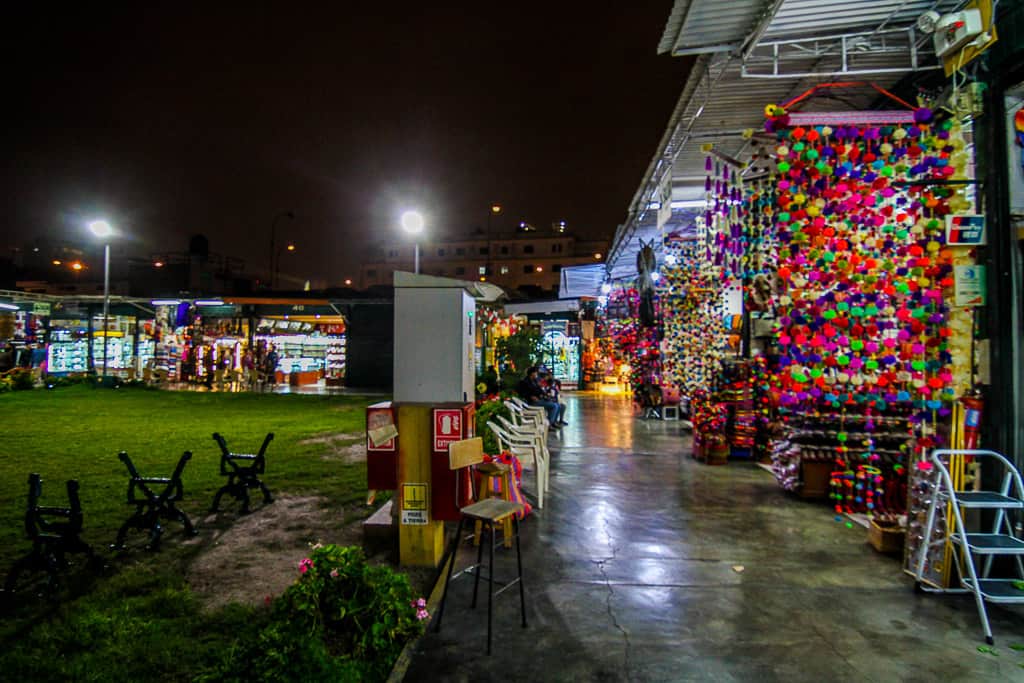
(178, 118)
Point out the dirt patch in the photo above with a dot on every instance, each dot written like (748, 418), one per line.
(248, 558)
(341, 447)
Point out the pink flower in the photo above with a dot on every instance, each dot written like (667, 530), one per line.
(420, 604)
(334, 573)
(305, 565)
(422, 614)
(266, 600)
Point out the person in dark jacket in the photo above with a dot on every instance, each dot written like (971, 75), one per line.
(533, 393)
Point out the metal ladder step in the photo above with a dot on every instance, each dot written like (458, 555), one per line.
(991, 544)
(998, 590)
(988, 500)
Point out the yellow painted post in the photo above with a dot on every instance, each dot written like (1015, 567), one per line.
(420, 538)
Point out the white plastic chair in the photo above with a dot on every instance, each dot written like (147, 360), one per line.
(528, 452)
(528, 432)
(535, 413)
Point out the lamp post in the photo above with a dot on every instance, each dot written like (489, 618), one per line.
(273, 236)
(412, 223)
(102, 230)
(277, 266)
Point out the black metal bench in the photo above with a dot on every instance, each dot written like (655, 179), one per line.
(54, 532)
(151, 505)
(243, 471)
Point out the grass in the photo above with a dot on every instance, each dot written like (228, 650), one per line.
(139, 620)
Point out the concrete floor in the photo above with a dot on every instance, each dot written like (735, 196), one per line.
(645, 565)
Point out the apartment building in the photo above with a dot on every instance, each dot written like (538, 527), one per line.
(530, 262)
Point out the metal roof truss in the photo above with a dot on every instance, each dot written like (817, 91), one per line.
(859, 54)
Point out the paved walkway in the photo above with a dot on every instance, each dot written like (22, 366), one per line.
(645, 565)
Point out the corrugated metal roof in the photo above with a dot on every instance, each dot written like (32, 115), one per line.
(718, 103)
(827, 17)
(696, 26)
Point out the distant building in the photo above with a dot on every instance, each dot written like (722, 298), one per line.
(528, 261)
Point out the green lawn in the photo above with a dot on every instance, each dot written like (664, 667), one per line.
(139, 619)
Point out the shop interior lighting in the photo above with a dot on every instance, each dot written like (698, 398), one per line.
(76, 266)
(56, 262)
(165, 302)
(9, 307)
(348, 282)
(597, 255)
(209, 302)
(606, 288)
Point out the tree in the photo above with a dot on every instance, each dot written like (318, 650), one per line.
(516, 353)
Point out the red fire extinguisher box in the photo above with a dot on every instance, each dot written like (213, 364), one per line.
(450, 422)
(381, 455)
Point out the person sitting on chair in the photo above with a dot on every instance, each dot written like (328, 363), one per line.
(533, 393)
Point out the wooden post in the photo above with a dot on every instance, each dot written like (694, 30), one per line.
(420, 538)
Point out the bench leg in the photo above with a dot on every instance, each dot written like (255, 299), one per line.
(123, 532)
(267, 498)
(174, 513)
(216, 499)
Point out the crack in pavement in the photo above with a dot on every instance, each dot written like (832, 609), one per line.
(611, 594)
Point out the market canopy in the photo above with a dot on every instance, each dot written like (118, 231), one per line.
(752, 53)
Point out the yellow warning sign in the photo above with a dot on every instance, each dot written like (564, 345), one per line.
(414, 496)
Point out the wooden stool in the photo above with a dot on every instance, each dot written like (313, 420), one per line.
(491, 473)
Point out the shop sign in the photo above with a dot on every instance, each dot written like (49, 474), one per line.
(41, 309)
(554, 326)
(447, 427)
(414, 504)
(965, 229)
(969, 286)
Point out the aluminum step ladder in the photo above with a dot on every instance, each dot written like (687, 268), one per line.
(1008, 504)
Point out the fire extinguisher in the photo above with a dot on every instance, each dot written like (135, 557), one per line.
(973, 406)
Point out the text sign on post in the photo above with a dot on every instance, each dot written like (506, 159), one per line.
(414, 504)
(447, 427)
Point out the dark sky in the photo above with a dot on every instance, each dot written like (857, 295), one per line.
(178, 118)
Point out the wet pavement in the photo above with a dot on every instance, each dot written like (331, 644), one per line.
(646, 565)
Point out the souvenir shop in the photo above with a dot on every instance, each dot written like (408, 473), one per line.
(77, 337)
(815, 287)
(203, 342)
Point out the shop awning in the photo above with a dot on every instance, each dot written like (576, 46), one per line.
(580, 281)
(752, 53)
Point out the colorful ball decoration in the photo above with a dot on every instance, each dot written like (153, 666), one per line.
(859, 231)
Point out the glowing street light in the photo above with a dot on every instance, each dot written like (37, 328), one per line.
(103, 231)
(412, 223)
(56, 262)
(348, 282)
(77, 265)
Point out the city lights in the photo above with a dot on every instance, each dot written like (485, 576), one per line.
(77, 265)
(56, 262)
(101, 229)
(348, 281)
(540, 269)
(597, 255)
(495, 208)
(158, 264)
(291, 247)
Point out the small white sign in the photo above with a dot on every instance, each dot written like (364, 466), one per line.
(414, 517)
(969, 285)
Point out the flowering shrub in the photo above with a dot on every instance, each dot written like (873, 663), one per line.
(342, 620)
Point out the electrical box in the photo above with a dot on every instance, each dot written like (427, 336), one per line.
(435, 335)
(955, 30)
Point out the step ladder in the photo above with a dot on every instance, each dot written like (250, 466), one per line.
(1008, 504)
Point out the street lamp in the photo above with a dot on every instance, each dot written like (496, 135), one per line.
(277, 267)
(103, 231)
(412, 223)
(273, 235)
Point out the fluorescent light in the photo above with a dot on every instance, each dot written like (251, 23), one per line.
(9, 307)
(209, 302)
(165, 302)
(689, 204)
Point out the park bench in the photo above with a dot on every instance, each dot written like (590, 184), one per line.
(153, 503)
(243, 471)
(54, 532)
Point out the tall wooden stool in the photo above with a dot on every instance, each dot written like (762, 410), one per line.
(488, 512)
(488, 474)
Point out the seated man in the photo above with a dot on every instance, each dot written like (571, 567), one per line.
(552, 390)
(531, 391)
